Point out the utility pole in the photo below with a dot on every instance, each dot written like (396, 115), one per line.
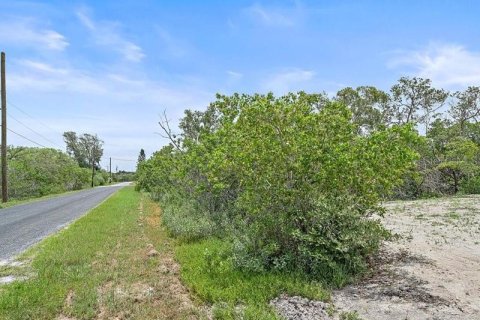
(4, 132)
(110, 170)
(93, 171)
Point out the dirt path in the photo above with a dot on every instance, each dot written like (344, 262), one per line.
(431, 272)
(158, 292)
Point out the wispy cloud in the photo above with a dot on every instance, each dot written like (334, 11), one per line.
(447, 65)
(171, 45)
(107, 34)
(41, 77)
(28, 33)
(288, 80)
(274, 16)
(234, 75)
(123, 108)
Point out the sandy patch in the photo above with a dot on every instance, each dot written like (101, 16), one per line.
(431, 272)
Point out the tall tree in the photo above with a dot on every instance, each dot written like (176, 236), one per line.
(87, 149)
(416, 101)
(370, 107)
(466, 107)
(141, 156)
(74, 149)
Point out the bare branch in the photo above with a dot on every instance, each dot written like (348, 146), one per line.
(164, 124)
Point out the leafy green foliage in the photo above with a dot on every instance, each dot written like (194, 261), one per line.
(86, 149)
(292, 174)
(208, 269)
(35, 172)
(459, 161)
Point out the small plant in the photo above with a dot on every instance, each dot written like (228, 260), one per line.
(353, 315)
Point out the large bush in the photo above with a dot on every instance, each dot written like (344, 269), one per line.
(297, 181)
(34, 172)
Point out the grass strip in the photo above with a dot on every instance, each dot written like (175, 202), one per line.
(103, 266)
(234, 294)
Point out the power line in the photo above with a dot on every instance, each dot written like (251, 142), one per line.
(37, 133)
(32, 117)
(21, 135)
(123, 159)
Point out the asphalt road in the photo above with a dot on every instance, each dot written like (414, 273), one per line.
(24, 225)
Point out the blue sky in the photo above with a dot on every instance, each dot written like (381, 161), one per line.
(111, 67)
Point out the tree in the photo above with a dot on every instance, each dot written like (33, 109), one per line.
(466, 108)
(416, 101)
(370, 107)
(74, 149)
(141, 157)
(36, 172)
(289, 178)
(459, 161)
(87, 149)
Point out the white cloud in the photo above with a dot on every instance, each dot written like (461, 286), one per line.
(123, 109)
(270, 16)
(106, 34)
(27, 32)
(288, 80)
(36, 76)
(234, 75)
(448, 65)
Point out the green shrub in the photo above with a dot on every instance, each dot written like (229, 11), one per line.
(183, 220)
(296, 180)
(35, 172)
(471, 185)
(99, 180)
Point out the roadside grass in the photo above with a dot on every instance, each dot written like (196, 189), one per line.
(118, 262)
(235, 294)
(103, 266)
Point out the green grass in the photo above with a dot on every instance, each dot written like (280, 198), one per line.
(98, 267)
(91, 269)
(453, 215)
(233, 293)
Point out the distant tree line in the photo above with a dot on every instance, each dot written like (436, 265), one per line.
(447, 122)
(35, 172)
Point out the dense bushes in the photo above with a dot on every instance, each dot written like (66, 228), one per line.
(289, 179)
(34, 172)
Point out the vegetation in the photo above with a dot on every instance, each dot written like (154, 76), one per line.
(36, 172)
(98, 268)
(208, 270)
(292, 182)
(289, 180)
(86, 149)
(123, 176)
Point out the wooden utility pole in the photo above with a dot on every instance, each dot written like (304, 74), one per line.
(110, 170)
(4, 132)
(93, 171)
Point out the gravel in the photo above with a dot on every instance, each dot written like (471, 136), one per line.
(298, 308)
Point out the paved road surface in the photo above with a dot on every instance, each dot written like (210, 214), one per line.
(24, 225)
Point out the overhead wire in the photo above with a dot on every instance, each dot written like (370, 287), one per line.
(123, 159)
(32, 130)
(31, 117)
(39, 134)
(22, 136)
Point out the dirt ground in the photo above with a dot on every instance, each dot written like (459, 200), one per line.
(431, 272)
